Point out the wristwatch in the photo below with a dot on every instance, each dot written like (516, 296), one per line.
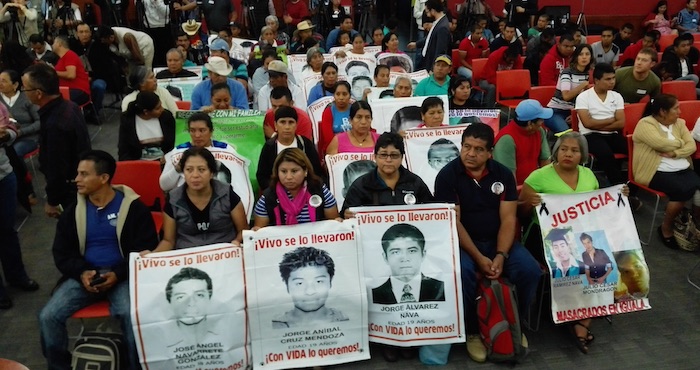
(504, 254)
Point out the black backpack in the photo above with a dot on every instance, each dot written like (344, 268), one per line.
(99, 351)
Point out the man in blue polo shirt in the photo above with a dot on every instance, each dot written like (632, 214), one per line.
(218, 70)
(91, 249)
(688, 18)
(485, 198)
(438, 82)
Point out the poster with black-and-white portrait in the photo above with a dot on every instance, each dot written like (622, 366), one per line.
(428, 150)
(344, 169)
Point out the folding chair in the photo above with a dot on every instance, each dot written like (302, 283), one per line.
(690, 273)
(683, 90)
(542, 94)
(633, 113)
(478, 65)
(183, 105)
(93, 311)
(666, 41)
(143, 177)
(512, 87)
(656, 193)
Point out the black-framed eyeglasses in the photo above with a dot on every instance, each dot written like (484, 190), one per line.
(27, 90)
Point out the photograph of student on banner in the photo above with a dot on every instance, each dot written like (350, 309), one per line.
(404, 250)
(441, 152)
(189, 294)
(354, 171)
(296, 194)
(634, 275)
(562, 252)
(308, 274)
(597, 263)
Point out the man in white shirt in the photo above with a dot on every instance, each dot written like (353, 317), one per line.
(156, 24)
(601, 117)
(278, 74)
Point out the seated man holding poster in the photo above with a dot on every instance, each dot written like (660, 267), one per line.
(93, 240)
(485, 198)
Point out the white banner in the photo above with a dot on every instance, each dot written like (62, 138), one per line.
(307, 300)
(379, 93)
(412, 272)
(396, 62)
(593, 252)
(402, 114)
(188, 308)
(428, 150)
(315, 111)
(344, 169)
(297, 62)
(232, 168)
(491, 117)
(415, 77)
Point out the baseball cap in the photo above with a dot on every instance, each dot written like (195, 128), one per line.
(444, 58)
(277, 66)
(530, 110)
(218, 44)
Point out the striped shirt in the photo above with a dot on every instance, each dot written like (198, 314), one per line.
(569, 79)
(303, 217)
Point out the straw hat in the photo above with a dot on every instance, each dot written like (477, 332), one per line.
(219, 66)
(191, 26)
(305, 25)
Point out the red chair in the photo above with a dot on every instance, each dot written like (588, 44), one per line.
(478, 65)
(683, 90)
(456, 60)
(142, 177)
(512, 87)
(542, 94)
(690, 112)
(6, 364)
(157, 220)
(630, 177)
(696, 37)
(666, 41)
(93, 311)
(633, 113)
(183, 105)
(65, 92)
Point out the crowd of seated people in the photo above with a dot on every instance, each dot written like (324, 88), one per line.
(591, 84)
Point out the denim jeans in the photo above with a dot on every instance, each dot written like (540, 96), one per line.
(66, 300)
(466, 72)
(10, 252)
(25, 145)
(97, 89)
(558, 123)
(520, 269)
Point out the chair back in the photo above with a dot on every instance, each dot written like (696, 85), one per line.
(478, 65)
(65, 92)
(514, 83)
(666, 41)
(633, 113)
(456, 60)
(574, 121)
(183, 105)
(630, 158)
(143, 177)
(6, 364)
(683, 90)
(542, 94)
(690, 112)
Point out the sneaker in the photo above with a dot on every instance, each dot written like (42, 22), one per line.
(476, 348)
(524, 342)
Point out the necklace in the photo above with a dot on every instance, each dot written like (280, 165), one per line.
(362, 142)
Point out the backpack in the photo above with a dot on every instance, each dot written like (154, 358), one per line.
(499, 322)
(98, 351)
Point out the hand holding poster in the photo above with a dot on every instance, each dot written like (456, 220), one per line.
(396, 115)
(306, 296)
(412, 272)
(594, 255)
(344, 169)
(428, 150)
(188, 308)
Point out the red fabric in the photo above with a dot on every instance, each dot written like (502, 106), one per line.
(473, 51)
(297, 11)
(303, 123)
(527, 149)
(81, 81)
(551, 66)
(631, 52)
(495, 63)
(325, 131)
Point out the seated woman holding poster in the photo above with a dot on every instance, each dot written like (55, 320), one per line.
(203, 210)
(314, 61)
(201, 129)
(146, 131)
(572, 81)
(325, 87)
(462, 95)
(335, 118)
(360, 138)
(565, 175)
(220, 98)
(295, 195)
(662, 149)
(392, 184)
(432, 112)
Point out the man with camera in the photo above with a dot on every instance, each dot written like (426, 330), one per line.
(156, 23)
(23, 20)
(62, 17)
(91, 249)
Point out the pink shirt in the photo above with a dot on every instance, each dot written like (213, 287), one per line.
(345, 145)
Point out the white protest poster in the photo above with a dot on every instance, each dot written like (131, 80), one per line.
(180, 88)
(491, 117)
(188, 308)
(396, 62)
(296, 63)
(415, 77)
(412, 272)
(428, 150)
(232, 168)
(400, 113)
(313, 80)
(306, 296)
(377, 93)
(359, 71)
(344, 169)
(315, 111)
(595, 259)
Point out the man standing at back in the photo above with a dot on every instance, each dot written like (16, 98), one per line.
(63, 136)
(439, 40)
(91, 249)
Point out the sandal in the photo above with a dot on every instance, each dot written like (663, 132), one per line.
(669, 242)
(581, 342)
(589, 336)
